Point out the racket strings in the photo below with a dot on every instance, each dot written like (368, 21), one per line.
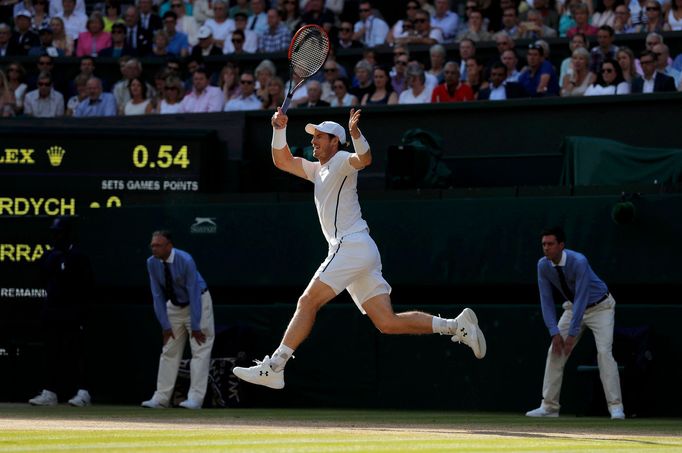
(309, 52)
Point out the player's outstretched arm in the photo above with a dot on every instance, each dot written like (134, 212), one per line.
(363, 155)
(281, 154)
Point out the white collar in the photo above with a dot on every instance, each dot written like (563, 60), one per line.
(562, 262)
(171, 257)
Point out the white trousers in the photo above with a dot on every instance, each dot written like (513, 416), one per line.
(600, 320)
(172, 352)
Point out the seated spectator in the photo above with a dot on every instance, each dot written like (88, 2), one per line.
(316, 13)
(621, 22)
(550, 16)
(467, 49)
(140, 40)
(314, 90)
(342, 98)
(130, 68)
(61, 40)
(445, 20)
(15, 82)
(566, 20)
(185, 24)
(539, 78)
(229, 81)
(139, 103)
(417, 92)
(655, 21)
(23, 38)
(249, 37)
(202, 11)
(275, 94)
(605, 50)
(363, 79)
(75, 22)
(246, 99)
(652, 39)
(159, 89)
(46, 46)
(263, 73)
(80, 86)
(534, 27)
(56, 7)
(577, 41)
(674, 16)
(149, 20)
(40, 14)
(499, 88)
(331, 73)
(626, 60)
(382, 93)
(503, 42)
(206, 44)
(45, 101)
(610, 81)
(581, 16)
(290, 14)
(370, 30)
(221, 25)
(7, 101)
(576, 83)
(258, 19)
(404, 27)
(237, 40)
(345, 37)
(652, 81)
(510, 23)
(97, 103)
(399, 72)
(160, 46)
(178, 43)
(112, 14)
(7, 46)
(510, 61)
(277, 37)
(475, 30)
(119, 47)
(92, 41)
(241, 6)
(663, 63)
(437, 57)
(452, 89)
(475, 77)
(605, 14)
(173, 92)
(203, 97)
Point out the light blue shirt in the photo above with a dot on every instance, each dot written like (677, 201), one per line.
(586, 286)
(178, 42)
(104, 106)
(187, 284)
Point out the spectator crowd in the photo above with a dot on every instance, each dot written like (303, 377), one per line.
(182, 34)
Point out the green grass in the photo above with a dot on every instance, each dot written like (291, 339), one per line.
(123, 428)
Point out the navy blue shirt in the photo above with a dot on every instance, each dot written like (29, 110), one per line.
(530, 82)
(582, 281)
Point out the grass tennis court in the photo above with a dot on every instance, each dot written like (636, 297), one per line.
(125, 428)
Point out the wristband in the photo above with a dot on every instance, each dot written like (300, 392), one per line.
(279, 138)
(360, 145)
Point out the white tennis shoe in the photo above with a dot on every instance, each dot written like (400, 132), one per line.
(469, 333)
(542, 412)
(261, 374)
(46, 398)
(81, 399)
(154, 404)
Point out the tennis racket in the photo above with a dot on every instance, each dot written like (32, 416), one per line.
(308, 51)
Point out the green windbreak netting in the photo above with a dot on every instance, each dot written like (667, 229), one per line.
(596, 161)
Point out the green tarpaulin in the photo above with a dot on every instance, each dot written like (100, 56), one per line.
(595, 161)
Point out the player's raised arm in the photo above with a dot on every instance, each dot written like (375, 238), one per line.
(281, 154)
(362, 156)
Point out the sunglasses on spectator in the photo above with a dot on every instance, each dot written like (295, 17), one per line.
(653, 8)
(646, 61)
(338, 87)
(419, 21)
(246, 82)
(44, 84)
(364, 10)
(237, 41)
(171, 88)
(401, 63)
(607, 71)
(412, 7)
(330, 69)
(344, 29)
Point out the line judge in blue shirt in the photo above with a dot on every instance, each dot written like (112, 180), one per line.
(588, 303)
(184, 308)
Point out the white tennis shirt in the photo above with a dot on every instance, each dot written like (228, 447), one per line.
(336, 196)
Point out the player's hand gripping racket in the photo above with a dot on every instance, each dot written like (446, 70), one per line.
(307, 53)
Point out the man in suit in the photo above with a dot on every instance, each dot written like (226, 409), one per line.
(119, 46)
(499, 89)
(206, 45)
(136, 37)
(149, 21)
(652, 81)
(314, 95)
(24, 38)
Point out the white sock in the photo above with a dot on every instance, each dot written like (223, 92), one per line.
(444, 326)
(280, 356)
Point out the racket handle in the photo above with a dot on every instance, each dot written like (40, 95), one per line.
(287, 102)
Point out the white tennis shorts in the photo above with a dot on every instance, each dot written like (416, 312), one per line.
(355, 265)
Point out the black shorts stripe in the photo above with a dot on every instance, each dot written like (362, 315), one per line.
(336, 211)
(333, 256)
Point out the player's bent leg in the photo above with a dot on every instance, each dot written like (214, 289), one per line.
(380, 311)
(270, 371)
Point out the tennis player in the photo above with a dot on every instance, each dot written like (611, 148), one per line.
(353, 262)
